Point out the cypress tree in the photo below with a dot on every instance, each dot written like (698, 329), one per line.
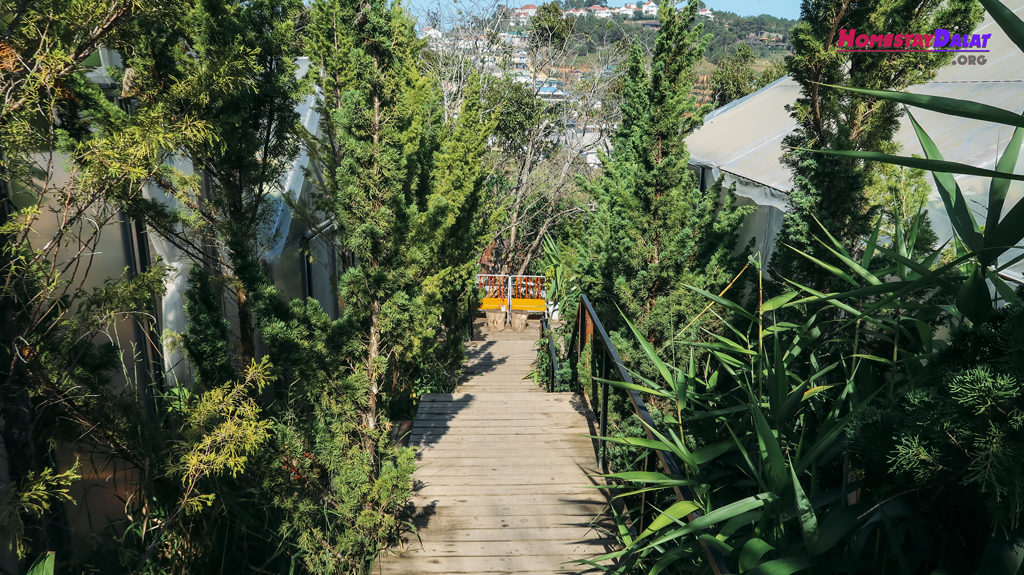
(830, 188)
(663, 230)
(404, 188)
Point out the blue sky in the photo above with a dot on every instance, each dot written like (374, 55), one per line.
(779, 8)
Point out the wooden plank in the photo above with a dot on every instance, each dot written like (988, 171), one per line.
(577, 510)
(444, 522)
(532, 400)
(435, 454)
(585, 534)
(400, 569)
(415, 564)
(543, 413)
(489, 572)
(485, 413)
(503, 425)
(565, 549)
(428, 446)
(483, 467)
(511, 562)
(501, 387)
(498, 438)
(497, 397)
(534, 477)
(546, 491)
(500, 422)
(590, 500)
(535, 434)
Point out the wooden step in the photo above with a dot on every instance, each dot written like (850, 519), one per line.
(507, 479)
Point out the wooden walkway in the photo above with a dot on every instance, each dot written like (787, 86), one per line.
(503, 473)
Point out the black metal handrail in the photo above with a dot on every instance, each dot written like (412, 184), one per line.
(587, 322)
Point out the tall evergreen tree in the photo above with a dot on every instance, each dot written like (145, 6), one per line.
(255, 123)
(405, 189)
(663, 231)
(258, 127)
(831, 188)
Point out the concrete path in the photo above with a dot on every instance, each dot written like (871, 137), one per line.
(502, 483)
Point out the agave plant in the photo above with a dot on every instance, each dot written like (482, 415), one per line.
(759, 428)
(560, 283)
(762, 425)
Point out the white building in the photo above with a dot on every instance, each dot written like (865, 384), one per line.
(649, 8)
(706, 13)
(600, 11)
(431, 33)
(528, 9)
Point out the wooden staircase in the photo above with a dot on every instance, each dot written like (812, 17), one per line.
(503, 481)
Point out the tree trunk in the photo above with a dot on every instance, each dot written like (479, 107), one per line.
(371, 364)
(495, 320)
(518, 320)
(245, 327)
(372, 377)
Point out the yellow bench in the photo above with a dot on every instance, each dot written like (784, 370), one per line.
(529, 305)
(492, 303)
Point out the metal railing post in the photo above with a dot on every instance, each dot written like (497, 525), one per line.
(508, 296)
(604, 409)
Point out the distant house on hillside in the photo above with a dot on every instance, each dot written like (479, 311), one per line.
(575, 12)
(649, 8)
(600, 11)
(706, 13)
(626, 10)
(523, 14)
(431, 33)
(514, 39)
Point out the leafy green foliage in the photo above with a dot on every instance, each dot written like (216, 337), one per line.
(43, 565)
(549, 28)
(206, 337)
(272, 472)
(38, 492)
(730, 31)
(222, 429)
(901, 195)
(956, 435)
(734, 77)
(59, 384)
(844, 442)
(338, 486)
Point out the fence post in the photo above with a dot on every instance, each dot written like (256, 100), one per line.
(604, 410)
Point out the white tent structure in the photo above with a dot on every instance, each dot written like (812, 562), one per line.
(742, 141)
(301, 262)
